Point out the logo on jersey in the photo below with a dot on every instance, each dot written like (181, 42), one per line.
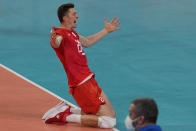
(101, 99)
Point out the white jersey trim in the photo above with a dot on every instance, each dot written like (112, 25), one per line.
(87, 78)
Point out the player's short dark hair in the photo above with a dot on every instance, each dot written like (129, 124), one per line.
(63, 10)
(146, 107)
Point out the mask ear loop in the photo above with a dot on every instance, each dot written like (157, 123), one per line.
(135, 122)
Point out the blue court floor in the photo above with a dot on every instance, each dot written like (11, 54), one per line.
(153, 55)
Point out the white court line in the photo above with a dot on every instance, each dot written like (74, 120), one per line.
(33, 83)
(40, 87)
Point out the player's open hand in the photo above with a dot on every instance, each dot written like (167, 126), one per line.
(53, 36)
(112, 26)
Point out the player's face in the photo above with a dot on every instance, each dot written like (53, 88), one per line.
(72, 17)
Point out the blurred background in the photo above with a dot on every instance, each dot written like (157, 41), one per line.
(153, 55)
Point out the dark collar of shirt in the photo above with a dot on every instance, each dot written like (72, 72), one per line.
(151, 128)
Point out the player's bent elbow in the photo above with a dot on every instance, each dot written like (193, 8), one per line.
(85, 46)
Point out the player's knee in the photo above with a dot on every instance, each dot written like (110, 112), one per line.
(106, 122)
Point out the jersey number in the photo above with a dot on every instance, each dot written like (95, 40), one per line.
(79, 45)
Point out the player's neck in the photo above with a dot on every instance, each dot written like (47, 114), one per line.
(65, 26)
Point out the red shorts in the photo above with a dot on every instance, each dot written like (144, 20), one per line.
(87, 96)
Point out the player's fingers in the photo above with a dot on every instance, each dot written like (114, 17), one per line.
(117, 20)
(113, 19)
(52, 37)
(117, 28)
(117, 23)
(53, 28)
(105, 20)
(52, 34)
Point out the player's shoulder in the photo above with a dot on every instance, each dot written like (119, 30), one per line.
(59, 31)
(62, 33)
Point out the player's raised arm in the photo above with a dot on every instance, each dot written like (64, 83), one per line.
(55, 40)
(109, 27)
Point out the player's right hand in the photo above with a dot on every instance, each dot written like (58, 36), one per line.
(53, 36)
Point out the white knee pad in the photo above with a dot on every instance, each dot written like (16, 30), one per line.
(106, 122)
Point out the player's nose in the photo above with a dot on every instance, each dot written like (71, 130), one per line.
(77, 16)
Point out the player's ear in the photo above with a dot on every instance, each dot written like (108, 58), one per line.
(141, 120)
(64, 18)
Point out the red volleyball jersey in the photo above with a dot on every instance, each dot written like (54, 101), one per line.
(72, 57)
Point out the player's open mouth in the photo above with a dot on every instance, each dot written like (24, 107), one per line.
(74, 21)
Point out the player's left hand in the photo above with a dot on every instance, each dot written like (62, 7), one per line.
(112, 26)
